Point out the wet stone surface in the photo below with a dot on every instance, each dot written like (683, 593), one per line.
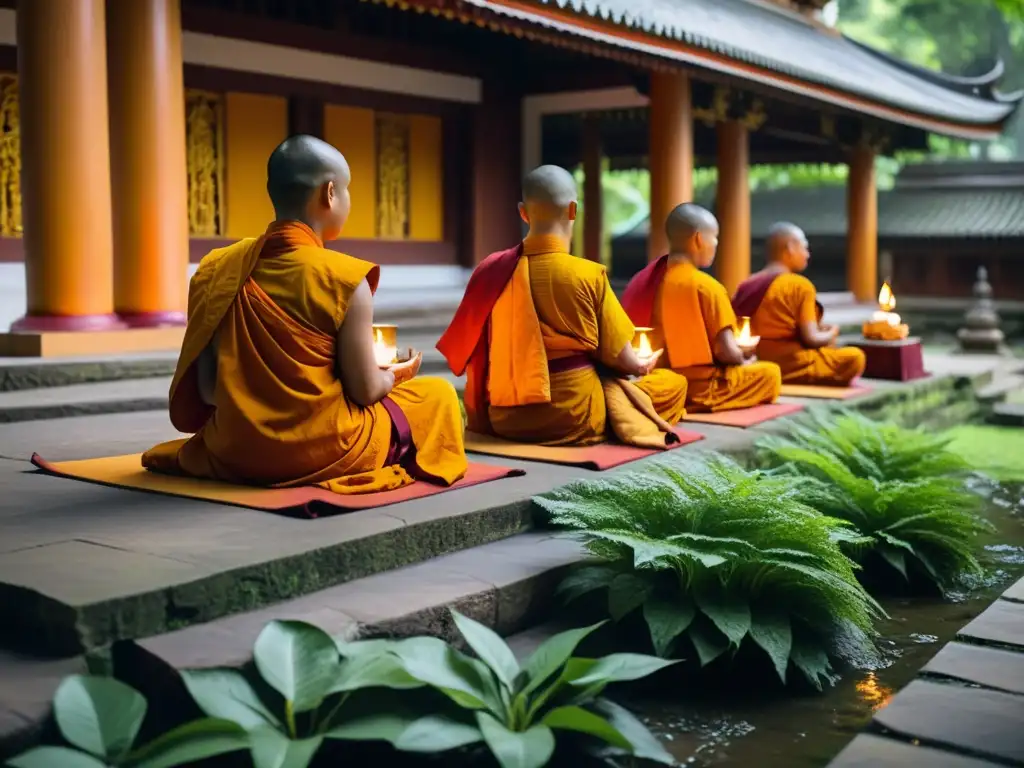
(870, 751)
(977, 665)
(1001, 624)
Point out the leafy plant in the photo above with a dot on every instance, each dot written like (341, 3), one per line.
(100, 718)
(313, 684)
(903, 491)
(720, 556)
(516, 711)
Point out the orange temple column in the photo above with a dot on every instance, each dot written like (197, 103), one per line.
(862, 225)
(670, 157)
(148, 168)
(732, 205)
(65, 166)
(593, 207)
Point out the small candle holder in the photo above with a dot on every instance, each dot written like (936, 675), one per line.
(744, 339)
(385, 344)
(885, 324)
(642, 343)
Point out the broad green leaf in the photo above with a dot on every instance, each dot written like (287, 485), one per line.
(297, 660)
(771, 630)
(382, 726)
(437, 733)
(99, 715)
(895, 558)
(707, 641)
(190, 742)
(626, 593)
(552, 655)
(490, 648)
(517, 749)
(226, 694)
(55, 757)
(729, 612)
(584, 721)
(642, 742)
(813, 662)
(272, 749)
(373, 671)
(586, 579)
(465, 681)
(667, 619)
(621, 667)
(351, 649)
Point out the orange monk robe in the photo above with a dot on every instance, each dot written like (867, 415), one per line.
(547, 318)
(273, 306)
(788, 303)
(690, 309)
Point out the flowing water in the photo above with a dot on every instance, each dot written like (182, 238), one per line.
(760, 725)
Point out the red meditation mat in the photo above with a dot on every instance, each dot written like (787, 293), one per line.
(819, 392)
(745, 417)
(598, 457)
(307, 501)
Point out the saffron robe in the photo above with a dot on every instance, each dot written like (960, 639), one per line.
(688, 309)
(535, 335)
(280, 418)
(786, 302)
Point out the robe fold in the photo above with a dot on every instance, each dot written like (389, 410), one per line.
(272, 306)
(688, 309)
(784, 302)
(536, 335)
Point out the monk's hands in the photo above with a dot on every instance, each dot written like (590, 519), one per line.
(832, 331)
(648, 365)
(407, 369)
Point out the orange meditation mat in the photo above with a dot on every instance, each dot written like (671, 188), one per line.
(745, 417)
(597, 457)
(824, 393)
(307, 501)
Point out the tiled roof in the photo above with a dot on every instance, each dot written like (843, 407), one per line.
(771, 38)
(945, 213)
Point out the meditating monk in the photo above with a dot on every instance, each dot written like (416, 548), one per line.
(784, 311)
(545, 345)
(692, 318)
(277, 377)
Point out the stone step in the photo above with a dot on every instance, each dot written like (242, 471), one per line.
(1008, 414)
(1000, 387)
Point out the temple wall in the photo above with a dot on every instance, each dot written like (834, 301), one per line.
(254, 124)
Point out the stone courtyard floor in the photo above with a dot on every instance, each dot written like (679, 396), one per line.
(175, 583)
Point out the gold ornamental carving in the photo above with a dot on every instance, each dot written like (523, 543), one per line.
(727, 105)
(204, 142)
(10, 157)
(392, 176)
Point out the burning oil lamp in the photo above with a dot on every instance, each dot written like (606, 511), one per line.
(642, 343)
(385, 344)
(885, 324)
(744, 339)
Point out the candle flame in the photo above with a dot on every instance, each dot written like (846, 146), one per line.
(384, 353)
(744, 337)
(378, 336)
(886, 298)
(643, 347)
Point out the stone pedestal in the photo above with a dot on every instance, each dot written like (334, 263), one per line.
(980, 333)
(893, 360)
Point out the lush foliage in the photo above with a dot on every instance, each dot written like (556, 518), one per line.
(996, 451)
(903, 490)
(100, 719)
(308, 688)
(719, 556)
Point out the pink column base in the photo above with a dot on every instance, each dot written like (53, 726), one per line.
(152, 319)
(72, 323)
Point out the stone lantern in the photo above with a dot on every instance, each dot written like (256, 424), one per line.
(981, 333)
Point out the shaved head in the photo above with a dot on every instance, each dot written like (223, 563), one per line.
(787, 246)
(299, 167)
(549, 185)
(688, 219)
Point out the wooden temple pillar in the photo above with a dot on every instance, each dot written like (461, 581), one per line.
(732, 204)
(495, 172)
(593, 207)
(65, 166)
(148, 164)
(670, 156)
(862, 225)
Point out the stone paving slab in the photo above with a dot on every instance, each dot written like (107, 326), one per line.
(1016, 592)
(1002, 623)
(27, 686)
(149, 394)
(978, 665)
(869, 751)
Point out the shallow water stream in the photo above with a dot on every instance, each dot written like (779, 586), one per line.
(763, 726)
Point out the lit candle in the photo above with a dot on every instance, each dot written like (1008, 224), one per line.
(744, 339)
(885, 324)
(642, 344)
(385, 344)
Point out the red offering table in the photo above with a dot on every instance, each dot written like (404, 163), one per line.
(901, 360)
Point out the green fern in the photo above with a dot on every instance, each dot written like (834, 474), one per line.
(902, 490)
(720, 556)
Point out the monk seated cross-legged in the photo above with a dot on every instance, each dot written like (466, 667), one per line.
(545, 345)
(783, 309)
(692, 318)
(277, 377)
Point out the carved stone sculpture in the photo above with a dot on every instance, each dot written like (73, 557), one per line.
(981, 333)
